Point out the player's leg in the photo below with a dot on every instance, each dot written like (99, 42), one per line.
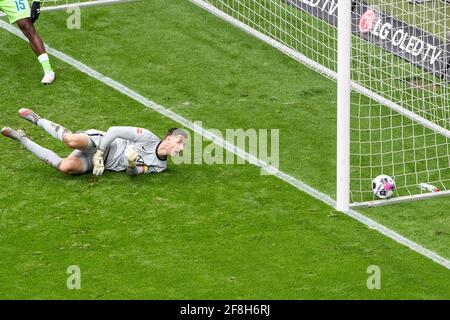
(55, 130)
(81, 141)
(28, 29)
(42, 153)
(76, 163)
(18, 11)
(37, 45)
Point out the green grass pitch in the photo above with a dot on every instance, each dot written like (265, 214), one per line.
(196, 231)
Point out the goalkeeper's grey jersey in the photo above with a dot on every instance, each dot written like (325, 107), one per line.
(117, 139)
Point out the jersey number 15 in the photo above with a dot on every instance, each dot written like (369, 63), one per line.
(20, 5)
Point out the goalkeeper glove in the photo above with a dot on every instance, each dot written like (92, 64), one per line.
(132, 156)
(35, 10)
(99, 166)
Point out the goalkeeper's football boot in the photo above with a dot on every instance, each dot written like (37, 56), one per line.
(29, 115)
(13, 134)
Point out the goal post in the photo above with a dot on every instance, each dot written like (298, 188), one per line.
(393, 113)
(343, 105)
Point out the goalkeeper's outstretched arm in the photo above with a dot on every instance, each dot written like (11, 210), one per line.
(127, 133)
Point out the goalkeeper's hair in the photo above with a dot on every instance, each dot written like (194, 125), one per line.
(175, 132)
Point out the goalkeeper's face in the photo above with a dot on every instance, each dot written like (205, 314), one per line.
(175, 144)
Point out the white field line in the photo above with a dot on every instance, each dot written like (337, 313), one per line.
(84, 4)
(234, 149)
(79, 5)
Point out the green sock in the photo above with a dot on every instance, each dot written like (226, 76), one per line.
(45, 63)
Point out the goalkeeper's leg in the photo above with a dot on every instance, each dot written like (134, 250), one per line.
(76, 163)
(79, 141)
(42, 153)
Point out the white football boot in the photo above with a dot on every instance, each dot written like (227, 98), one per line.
(48, 78)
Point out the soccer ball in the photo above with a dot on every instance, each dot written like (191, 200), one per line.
(383, 186)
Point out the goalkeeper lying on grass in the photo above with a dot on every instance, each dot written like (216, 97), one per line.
(129, 149)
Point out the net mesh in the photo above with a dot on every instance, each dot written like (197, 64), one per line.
(399, 52)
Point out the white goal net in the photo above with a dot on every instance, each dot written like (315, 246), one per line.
(400, 73)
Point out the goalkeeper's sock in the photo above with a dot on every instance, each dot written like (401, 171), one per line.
(42, 153)
(54, 129)
(45, 63)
